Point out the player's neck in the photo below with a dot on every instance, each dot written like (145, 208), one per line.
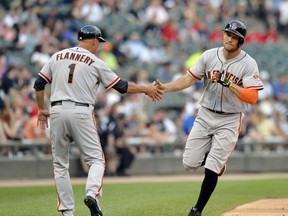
(87, 45)
(231, 54)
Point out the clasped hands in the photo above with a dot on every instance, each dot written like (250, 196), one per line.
(155, 90)
(218, 77)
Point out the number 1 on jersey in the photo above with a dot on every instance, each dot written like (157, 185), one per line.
(71, 72)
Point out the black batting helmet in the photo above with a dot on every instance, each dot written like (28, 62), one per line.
(90, 32)
(238, 28)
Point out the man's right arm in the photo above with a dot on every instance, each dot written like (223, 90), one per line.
(129, 87)
(181, 83)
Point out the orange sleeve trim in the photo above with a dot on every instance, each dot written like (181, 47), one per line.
(192, 74)
(248, 95)
(112, 83)
(255, 87)
(44, 77)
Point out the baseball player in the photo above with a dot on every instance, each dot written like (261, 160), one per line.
(75, 74)
(231, 83)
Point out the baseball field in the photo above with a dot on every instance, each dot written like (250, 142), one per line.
(144, 196)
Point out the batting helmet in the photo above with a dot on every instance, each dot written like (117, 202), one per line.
(238, 28)
(90, 32)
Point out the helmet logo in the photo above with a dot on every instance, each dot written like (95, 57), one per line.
(233, 25)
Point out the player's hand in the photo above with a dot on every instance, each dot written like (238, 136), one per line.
(159, 85)
(220, 78)
(154, 92)
(42, 121)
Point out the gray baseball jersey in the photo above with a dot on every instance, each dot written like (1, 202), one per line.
(242, 69)
(218, 132)
(75, 75)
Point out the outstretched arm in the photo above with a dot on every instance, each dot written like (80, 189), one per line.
(181, 83)
(152, 91)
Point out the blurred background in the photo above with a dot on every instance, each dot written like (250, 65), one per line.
(146, 40)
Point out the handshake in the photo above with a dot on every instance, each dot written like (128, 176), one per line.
(218, 77)
(155, 90)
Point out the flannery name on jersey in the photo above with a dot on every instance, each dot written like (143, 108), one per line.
(75, 57)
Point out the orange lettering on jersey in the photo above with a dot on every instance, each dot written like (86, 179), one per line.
(61, 56)
(87, 59)
(72, 56)
(82, 58)
(66, 55)
(77, 57)
(91, 61)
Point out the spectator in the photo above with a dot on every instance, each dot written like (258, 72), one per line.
(11, 18)
(31, 129)
(283, 16)
(170, 31)
(189, 119)
(254, 36)
(271, 35)
(155, 16)
(198, 31)
(151, 54)
(117, 40)
(3, 137)
(3, 63)
(108, 56)
(268, 88)
(156, 12)
(117, 147)
(191, 60)
(165, 72)
(91, 11)
(39, 56)
(215, 35)
(13, 122)
(9, 83)
(161, 129)
(280, 88)
(133, 46)
(242, 10)
(137, 11)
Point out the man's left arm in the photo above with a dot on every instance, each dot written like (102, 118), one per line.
(249, 96)
(43, 112)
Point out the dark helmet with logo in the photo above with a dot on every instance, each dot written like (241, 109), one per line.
(238, 28)
(90, 32)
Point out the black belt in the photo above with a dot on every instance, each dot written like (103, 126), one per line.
(218, 112)
(76, 103)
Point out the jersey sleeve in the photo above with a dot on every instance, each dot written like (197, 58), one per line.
(46, 72)
(198, 70)
(251, 79)
(107, 77)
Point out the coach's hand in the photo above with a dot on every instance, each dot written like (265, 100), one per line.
(154, 93)
(43, 116)
(220, 78)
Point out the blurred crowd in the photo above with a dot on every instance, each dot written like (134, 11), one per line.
(141, 35)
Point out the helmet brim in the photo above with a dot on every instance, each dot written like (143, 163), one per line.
(102, 40)
(234, 32)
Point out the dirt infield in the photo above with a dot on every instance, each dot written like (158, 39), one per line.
(264, 207)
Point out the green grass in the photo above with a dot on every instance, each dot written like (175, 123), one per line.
(143, 199)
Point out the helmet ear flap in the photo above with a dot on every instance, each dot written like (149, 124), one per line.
(240, 42)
